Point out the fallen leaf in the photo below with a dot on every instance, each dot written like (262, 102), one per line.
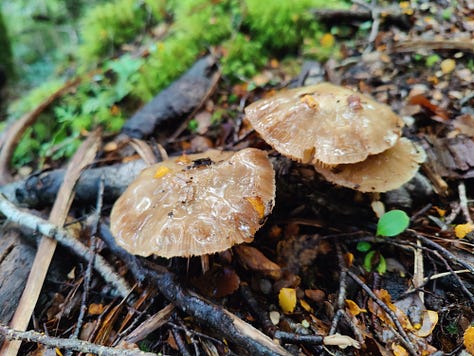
(462, 230)
(468, 339)
(342, 341)
(287, 299)
(430, 320)
(254, 260)
(353, 308)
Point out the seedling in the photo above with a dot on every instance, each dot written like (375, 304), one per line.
(392, 223)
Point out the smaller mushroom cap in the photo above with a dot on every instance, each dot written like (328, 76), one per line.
(379, 173)
(325, 123)
(196, 205)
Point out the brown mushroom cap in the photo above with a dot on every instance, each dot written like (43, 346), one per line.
(325, 123)
(379, 173)
(200, 205)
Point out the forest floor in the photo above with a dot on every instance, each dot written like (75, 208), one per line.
(316, 268)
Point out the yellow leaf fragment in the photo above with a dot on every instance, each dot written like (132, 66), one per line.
(349, 259)
(161, 172)
(353, 308)
(287, 299)
(462, 230)
(469, 339)
(399, 350)
(258, 205)
(448, 65)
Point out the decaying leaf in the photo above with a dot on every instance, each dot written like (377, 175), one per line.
(254, 260)
(462, 230)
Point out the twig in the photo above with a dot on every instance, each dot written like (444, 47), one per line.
(262, 316)
(292, 338)
(150, 324)
(25, 219)
(182, 348)
(404, 337)
(463, 202)
(455, 276)
(342, 291)
(70, 344)
(90, 262)
(448, 255)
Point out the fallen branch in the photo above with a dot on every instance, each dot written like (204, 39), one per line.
(70, 344)
(40, 189)
(33, 222)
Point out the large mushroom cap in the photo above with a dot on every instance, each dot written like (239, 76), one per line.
(325, 123)
(379, 173)
(198, 205)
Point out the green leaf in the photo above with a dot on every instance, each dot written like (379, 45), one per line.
(363, 246)
(382, 266)
(368, 261)
(392, 223)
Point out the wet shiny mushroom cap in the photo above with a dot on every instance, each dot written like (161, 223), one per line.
(196, 205)
(379, 173)
(325, 123)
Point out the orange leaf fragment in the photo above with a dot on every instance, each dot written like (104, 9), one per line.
(327, 40)
(462, 230)
(469, 339)
(310, 101)
(161, 171)
(95, 309)
(287, 299)
(353, 308)
(257, 204)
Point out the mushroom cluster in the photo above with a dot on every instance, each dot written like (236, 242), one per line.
(349, 138)
(196, 204)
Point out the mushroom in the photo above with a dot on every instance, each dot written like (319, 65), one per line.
(195, 205)
(378, 173)
(325, 124)
(349, 138)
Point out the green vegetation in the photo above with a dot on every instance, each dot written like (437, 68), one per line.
(173, 34)
(392, 223)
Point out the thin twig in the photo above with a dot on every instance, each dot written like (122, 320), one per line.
(444, 252)
(463, 202)
(70, 344)
(90, 262)
(28, 220)
(455, 276)
(404, 337)
(342, 291)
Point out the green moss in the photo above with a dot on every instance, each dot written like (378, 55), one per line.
(281, 26)
(243, 58)
(167, 61)
(107, 26)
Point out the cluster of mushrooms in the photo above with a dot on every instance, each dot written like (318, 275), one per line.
(206, 203)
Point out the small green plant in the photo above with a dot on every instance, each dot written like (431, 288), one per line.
(392, 223)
